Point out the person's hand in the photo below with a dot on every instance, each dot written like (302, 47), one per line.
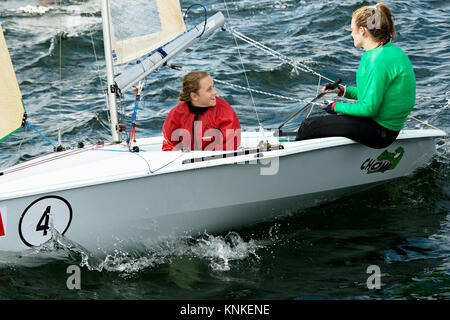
(328, 88)
(328, 106)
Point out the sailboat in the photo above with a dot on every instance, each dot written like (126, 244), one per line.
(102, 195)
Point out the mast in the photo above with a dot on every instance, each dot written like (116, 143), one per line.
(112, 103)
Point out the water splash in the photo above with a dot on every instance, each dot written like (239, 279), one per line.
(35, 10)
(218, 252)
(221, 251)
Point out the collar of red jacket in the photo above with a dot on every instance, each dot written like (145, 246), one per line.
(196, 110)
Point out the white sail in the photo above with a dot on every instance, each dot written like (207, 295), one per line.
(141, 26)
(11, 106)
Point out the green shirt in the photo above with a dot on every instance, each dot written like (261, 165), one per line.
(385, 88)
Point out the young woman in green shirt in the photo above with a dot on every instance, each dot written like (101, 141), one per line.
(385, 91)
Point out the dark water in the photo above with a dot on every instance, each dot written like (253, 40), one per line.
(403, 227)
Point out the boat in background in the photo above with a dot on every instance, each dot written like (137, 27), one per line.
(130, 194)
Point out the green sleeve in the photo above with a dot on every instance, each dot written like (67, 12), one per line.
(370, 95)
(351, 93)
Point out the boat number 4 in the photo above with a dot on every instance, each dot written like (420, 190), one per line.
(42, 217)
(385, 162)
(43, 222)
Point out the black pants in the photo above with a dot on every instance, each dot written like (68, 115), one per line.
(363, 130)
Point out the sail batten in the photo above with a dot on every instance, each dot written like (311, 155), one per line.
(12, 111)
(147, 26)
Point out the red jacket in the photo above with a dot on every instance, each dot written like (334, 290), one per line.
(216, 128)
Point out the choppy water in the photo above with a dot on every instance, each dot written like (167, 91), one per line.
(403, 227)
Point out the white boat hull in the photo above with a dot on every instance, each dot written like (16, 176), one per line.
(155, 196)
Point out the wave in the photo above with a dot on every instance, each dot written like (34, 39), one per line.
(40, 7)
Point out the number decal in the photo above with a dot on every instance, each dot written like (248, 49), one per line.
(45, 217)
(42, 216)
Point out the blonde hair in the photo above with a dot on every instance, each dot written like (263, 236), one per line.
(191, 83)
(378, 20)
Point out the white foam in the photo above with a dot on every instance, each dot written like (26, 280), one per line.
(35, 9)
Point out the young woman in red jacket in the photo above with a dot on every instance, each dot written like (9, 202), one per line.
(201, 121)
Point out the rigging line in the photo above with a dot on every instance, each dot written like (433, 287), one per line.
(103, 90)
(425, 123)
(121, 111)
(43, 161)
(96, 58)
(285, 59)
(317, 93)
(45, 138)
(132, 132)
(139, 156)
(202, 44)
(243, 67)
(205, 14)
(23, 139)
(60, 64)
(60, 55)
(270, 51)
(164, 166)
(260, 92)
(274, 53)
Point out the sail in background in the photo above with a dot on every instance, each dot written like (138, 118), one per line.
(141, 26)
(12, 110)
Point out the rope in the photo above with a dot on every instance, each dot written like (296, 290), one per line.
(310, 110)
(317, 93)
(96, 59)
(425, 123)
(60, 67)
(23, 139)
(259, 91)
(297, 65)
(45, 138)
(243, 67)
(60, 57)
(46, 160)
(132, 135)
(318, 86)
(205, 13)
(139, 156)
(276, 54)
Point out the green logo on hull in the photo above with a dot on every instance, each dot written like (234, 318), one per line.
(385, 162)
